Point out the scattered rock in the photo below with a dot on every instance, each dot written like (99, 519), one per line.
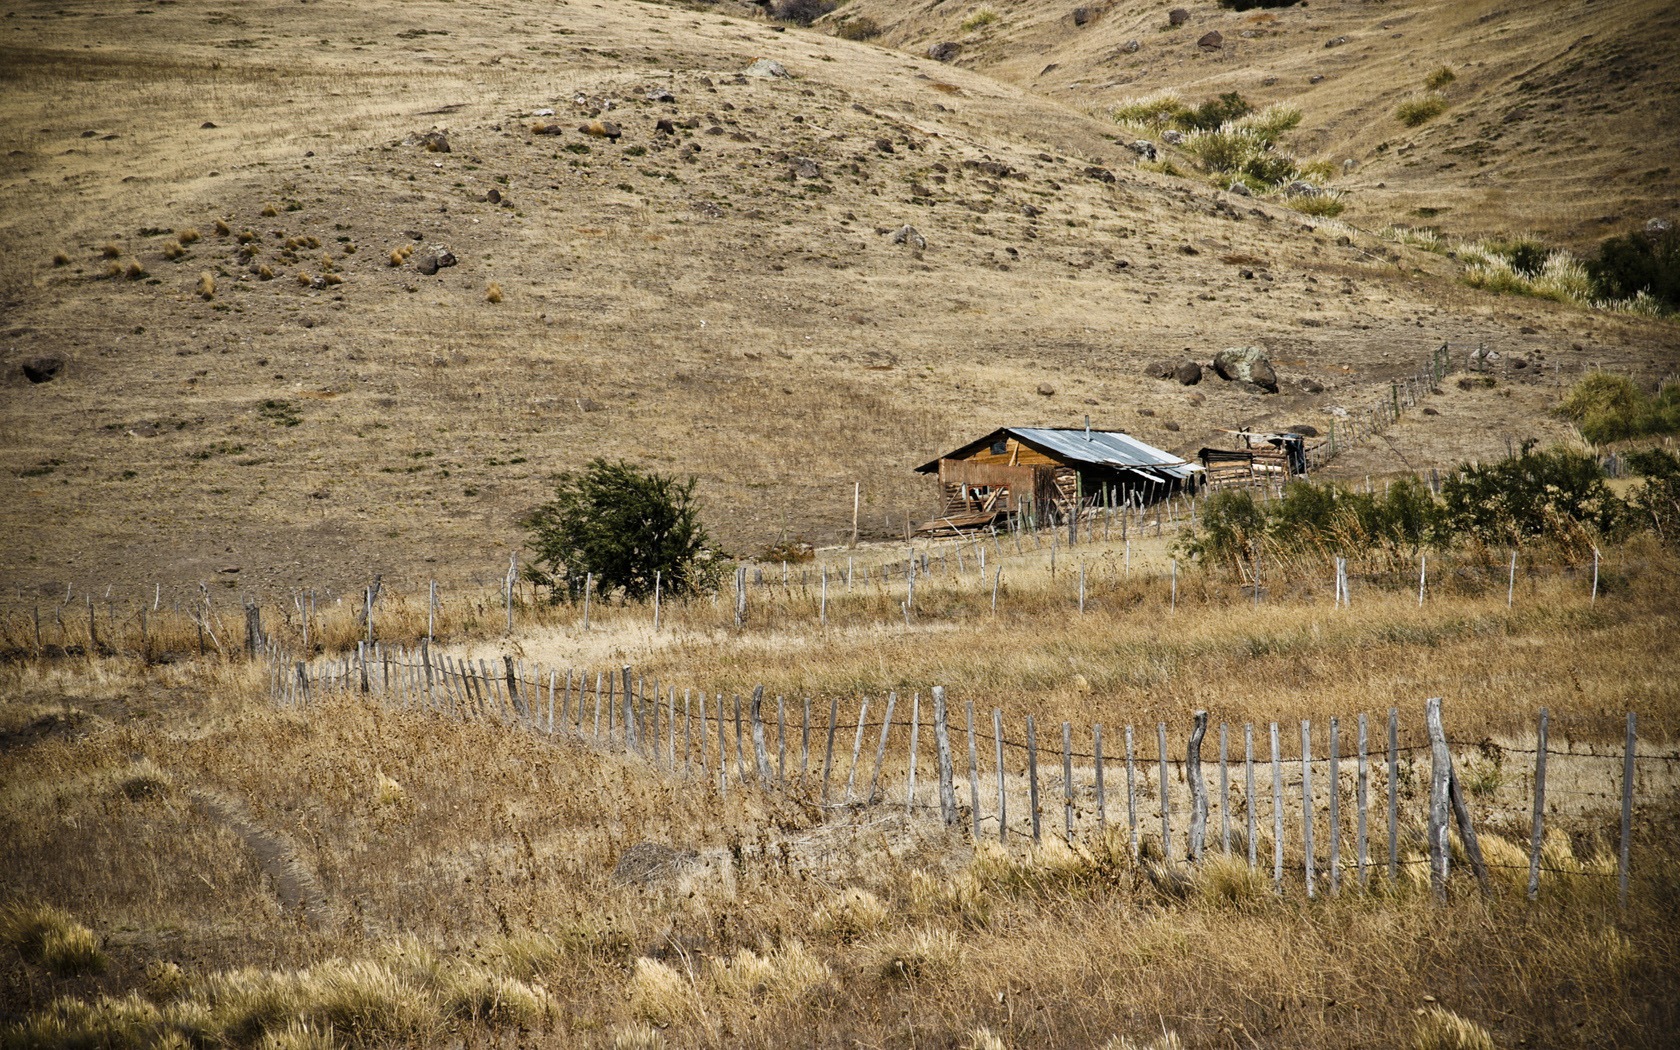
(805, 168)
(585, 404)
(1336, 41)
(42, 369)
(1177, 16)
(1046, 390)
(207, 125)
(1519, 362)
(1130, 47)
(1211, 41)
(493, 195)
(1300, 188)
(1316, 78)
(664, 126)
(1188, 373)
(943, 51)
(884, 146)
(707, 208)
(1172, 137)
(601, 129)
(1159, 369)
(1031, 211)
(908, 234)
(540, 128)
(546, 111)
(1100, 174)
(1146, 412)
(1081, 15)
(1657, 227)
(1246, 364)
(660, 95)
(767, 68)
(1312, 386)
(1306, 430)
(1143, 148)
(435, 142)
(426, 263)
(651, 861)
(1239, 189)
(1246, 274)
(1170, 425)
(1430, 411)
(1196, 397)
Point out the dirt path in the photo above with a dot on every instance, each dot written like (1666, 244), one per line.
(296, 886)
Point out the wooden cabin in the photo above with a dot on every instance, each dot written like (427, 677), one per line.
(1043, 474)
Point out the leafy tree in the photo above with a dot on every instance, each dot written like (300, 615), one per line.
(1643, 261)
(1656, 504)
(1231, 523)
(622, 525)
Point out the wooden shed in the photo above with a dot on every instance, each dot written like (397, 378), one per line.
(1044, 473)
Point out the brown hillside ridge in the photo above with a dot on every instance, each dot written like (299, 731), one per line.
(1552, 112)
(717, 290)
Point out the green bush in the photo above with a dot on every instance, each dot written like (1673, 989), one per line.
(1643, 261)
(1606, 407)
(1531, 495)
(1215, 112)
(622, 525)
(1232, 522)
(1655, 505)
(1440, 78)
(801, 12)
(863, 28)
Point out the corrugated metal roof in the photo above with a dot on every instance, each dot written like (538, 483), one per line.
(1108, 448)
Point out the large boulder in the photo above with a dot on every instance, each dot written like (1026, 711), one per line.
(1246, 364)
(943, 51)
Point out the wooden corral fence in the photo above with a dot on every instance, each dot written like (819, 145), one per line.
(1331, 808)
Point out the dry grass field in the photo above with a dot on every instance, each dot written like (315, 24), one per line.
(338, 289)
(220, 871)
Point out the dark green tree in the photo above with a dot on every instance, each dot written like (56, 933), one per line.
(1530, 495)
(622, 525)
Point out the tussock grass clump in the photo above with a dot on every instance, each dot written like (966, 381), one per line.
(134, 271)
(206, 285)
(923, 955)
(637, 1037)
(1441, 1029)
(1415, 110)
(269, 211)
(984, 1038)
(1151, 111)
(126, 1023)
(1228, 882)
(659, 994)
(493, 294)
(1439, 78)
(60, 259)
(111, 250)
(52, 939)
(113, 269)
(851, 915)
(190, 235)
(222, 228)
(863, 28)
(247, 236)
(979, 20)
(265, 272)
(173, 250)
(782, 974)
(1324, 204)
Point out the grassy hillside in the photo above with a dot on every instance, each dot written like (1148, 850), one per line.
(1547, 117)
(721, 299)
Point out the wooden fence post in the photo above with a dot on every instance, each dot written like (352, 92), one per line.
(973, 765)
(1362, 792)
(1131, 792)
(759, 752)
(1003, 798)
(1248, 798)
(740, 749)
(1198, 790)
(1537, 838)
(1277, 813)
(1102, 794)
(1440, 777)
(1032, 773)
(781, 741)
(1628, 755)
(1224, 790)
(805, 741)
(915, 743)
(1307, 805)
(942, 743)
(1335, 816)
(1393, 794)
(828, 751)
(1166, 793)
(1067, 778)
(881, 747)
(857, 746)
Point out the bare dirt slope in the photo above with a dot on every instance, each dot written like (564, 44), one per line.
(1552, 120)
(723, 298)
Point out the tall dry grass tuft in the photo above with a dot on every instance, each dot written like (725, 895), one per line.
(206, 285)
(1441, 1029)
(52, 939)
(1228, 882)
(660, 995)
(851, 915)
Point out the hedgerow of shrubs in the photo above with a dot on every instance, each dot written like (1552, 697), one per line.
(1607, 407)
(1559, 495)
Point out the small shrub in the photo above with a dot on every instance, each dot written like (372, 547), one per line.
(134, 271)
(1643, 262)
(189, 235)
(1214, 113)
(270, 211)
(850, 916)
(1606, 407)
(493, 294)
(222, 228)
(864, 28)
(173, 250)
(800, 12)
(1415, 110)
(979, 20)
(111, 250)
(1439, 78)
(1327, 204)
(1150, 111)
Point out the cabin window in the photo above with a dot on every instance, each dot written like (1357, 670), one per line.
(1000, 447)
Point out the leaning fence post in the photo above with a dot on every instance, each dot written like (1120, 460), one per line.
(1277, 814)
(1538, 838)
(942, 742)
(857, 746)
(973, 766)
(1003, 799)
(1166, 810)
(759, 753)
(1198, 790)
(1627, 803)
(1467, 831)
(1032, 775)
(881, 747)
(1393, 794)
(1440, 776)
